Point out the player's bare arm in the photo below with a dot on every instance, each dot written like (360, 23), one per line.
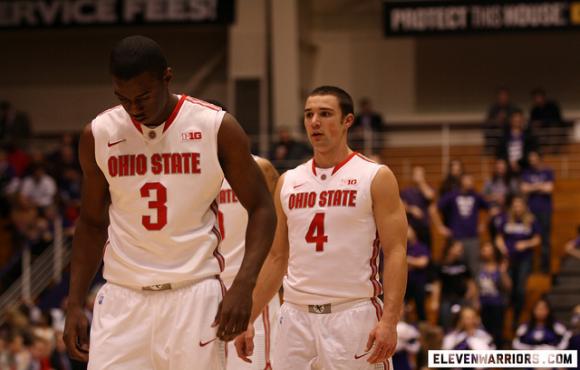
(271, 276)
(249, 185)
(270, 173)
(88, 243)
(391, 221)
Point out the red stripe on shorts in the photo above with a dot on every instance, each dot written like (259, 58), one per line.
(266, 321)
(377, 288)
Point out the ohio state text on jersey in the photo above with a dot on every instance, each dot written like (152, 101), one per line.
(163, 184)
(334, 248)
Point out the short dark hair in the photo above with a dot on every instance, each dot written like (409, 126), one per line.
(134, 55)
(344, 99)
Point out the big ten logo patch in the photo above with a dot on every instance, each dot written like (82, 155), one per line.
(349, 181)
(190, 135)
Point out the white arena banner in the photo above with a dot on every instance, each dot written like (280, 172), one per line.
(490, 359)
(66, 13)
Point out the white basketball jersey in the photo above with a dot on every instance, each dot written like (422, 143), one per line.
(163, 184)
(233, 221)
(334, 248)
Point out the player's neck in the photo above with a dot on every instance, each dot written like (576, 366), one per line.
(331, 158)
(172, 101)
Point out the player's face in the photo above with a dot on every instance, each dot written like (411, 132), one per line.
(325, 125)
(144, 97)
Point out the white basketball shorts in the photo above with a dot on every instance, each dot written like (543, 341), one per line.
(326, 341)
(157, 330)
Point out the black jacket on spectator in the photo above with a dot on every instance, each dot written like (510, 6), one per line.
(547, 115)
(375, 119)
(530, 145)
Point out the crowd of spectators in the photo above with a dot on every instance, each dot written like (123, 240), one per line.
(510, 135)
(489, 242)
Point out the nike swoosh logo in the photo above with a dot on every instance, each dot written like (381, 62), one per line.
(356, 357)
(109, 144)
(299, 185)
(203, 344)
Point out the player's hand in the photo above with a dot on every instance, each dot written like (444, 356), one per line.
(234, 312)
(384, 340)
(76, 333)
(245, 344)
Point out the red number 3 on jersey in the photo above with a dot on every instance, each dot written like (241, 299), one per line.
(315, 232)
(158, 204)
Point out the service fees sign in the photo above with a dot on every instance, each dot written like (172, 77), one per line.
(434, 17)
(59, 13)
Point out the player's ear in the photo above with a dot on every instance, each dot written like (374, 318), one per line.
(167, 75)
(348, 120)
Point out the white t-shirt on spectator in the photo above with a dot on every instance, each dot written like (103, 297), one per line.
(41, 193)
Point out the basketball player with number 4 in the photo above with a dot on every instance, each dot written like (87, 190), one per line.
(335, 213)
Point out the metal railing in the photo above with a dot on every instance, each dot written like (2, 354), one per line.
(37, 274)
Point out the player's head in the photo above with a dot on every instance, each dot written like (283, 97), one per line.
(328, 114)
(141, 78)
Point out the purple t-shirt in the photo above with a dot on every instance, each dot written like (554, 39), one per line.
(417, 276)
(462, 210)
(515, 231)
(490, 291)
(537, 201)
(414, 197)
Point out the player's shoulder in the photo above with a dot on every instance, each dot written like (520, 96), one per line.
(362, 162)
(110, 122)
(302, 169)
(262, 162)
(300, 173)
(372, 167)
(112, 113)
(191, 102)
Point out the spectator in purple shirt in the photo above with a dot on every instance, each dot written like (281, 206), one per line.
(417, 262)
(468, 334)
(542, 331)
(519, 234)
(538, 184)
(462, 209)
(417, 199)
(494, 283)
(496, 191)
(572, 248)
